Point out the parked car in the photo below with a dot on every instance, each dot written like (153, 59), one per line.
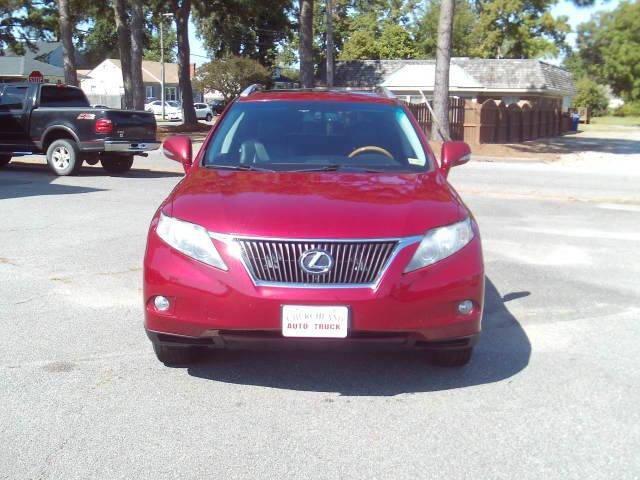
(172, 109)
(203, 112)
(59, 122)
(217, 106)
(314, 216)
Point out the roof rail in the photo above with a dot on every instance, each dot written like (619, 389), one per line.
(256, 87)
(385, 92)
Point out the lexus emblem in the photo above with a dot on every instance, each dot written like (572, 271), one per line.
(316, 261)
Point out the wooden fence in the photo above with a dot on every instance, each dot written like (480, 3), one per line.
(456, 117)
(494, 122)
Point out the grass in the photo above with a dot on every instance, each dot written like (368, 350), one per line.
(631, 121)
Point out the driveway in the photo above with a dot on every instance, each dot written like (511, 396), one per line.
(551, 393)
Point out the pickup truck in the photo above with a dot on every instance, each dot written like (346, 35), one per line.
(57, 121)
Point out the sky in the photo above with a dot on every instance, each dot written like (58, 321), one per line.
(576, 16)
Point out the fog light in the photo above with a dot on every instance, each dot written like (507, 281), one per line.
(465, 307)
(161, 303)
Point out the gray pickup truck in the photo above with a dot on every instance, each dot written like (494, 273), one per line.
(57, 121)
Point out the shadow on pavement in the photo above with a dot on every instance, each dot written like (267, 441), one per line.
(20, 186)
(86, 171)
(502, 352)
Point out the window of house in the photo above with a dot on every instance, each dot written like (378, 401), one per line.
(149, 91)
(170, 93)
(13, 97)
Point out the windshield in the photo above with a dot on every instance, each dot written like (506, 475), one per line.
(287, 136)
(173, 104)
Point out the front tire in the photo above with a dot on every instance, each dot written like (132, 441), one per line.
(209, 117)
(452, 358)
(117, 165)
(4, 160)
(63, 157)
(175, 356)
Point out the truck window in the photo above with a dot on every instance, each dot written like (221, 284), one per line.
(51, 96)
(13, 98)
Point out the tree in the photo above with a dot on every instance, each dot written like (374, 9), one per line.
(240, 27)
(306, 43)
(152, 43)
(22, 22)
(609, 49)
(137, 49)
(124, 46)
(230, 76)
(591, 95)
(182, 10)
(518, 29)
(464, 21)
(66, 33)
(443, 58)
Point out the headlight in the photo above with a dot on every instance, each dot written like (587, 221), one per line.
(440, 243)
(190, 239)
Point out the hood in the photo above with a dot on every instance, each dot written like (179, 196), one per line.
(316, 205)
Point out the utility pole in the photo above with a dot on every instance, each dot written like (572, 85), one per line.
(162, 95)
(330, 45)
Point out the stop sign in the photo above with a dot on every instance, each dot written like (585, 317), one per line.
(36, 77)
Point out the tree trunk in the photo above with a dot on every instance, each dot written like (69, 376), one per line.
(137, 46)
(440, 126)
(69, 53)
(124, 45)
(330, 44)
(306, 43)
(182, 11)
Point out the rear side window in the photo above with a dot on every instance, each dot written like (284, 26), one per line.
(62, 97)
(13, 97)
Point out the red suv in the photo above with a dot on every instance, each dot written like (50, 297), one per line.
(314, 216)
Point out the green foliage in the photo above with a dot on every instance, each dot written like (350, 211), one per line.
(242, 27)
(463, 29)
(629, 109)
(24, 21)
(591, 95)
(230, 76)
(380, 30)
(519, 29)
(152, 47)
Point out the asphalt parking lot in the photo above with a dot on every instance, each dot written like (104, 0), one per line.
(552, 391)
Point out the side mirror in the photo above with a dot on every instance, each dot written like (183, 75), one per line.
(454, 154)
(178, 148)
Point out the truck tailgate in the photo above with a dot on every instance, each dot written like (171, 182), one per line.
(134, 125)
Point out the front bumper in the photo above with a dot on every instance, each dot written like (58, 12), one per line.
(129, 146)
(215, 308)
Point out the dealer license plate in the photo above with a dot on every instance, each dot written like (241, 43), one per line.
(315, 322)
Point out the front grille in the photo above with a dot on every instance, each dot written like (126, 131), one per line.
(278, 261)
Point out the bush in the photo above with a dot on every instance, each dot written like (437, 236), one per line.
(591, 95)
(631, 109)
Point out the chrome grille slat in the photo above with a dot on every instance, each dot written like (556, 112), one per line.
(276, 262)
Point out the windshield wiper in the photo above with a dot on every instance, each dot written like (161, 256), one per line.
(334, 167)
(241, 167)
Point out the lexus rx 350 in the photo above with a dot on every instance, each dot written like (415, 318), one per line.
(314, 216)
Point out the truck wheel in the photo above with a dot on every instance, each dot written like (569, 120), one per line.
(117, 165)
(451, 358)
(4, 160)
(176, 356)
(63, 157)
(209, 117)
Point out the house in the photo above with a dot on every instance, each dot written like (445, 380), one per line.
(509, 80)
(104, 83)
(46, 58)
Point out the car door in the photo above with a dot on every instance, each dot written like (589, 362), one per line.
(14, 118)
(200, 111)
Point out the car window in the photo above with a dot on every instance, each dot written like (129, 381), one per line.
(13, 97)
(173, 104)
(53, 96)
(157, 103)
(293, 135)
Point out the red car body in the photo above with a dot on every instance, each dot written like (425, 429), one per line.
(220, 308)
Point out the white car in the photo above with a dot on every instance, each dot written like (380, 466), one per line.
(172, 109)
(203, 112)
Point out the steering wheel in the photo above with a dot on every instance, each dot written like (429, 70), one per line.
(370, 148)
